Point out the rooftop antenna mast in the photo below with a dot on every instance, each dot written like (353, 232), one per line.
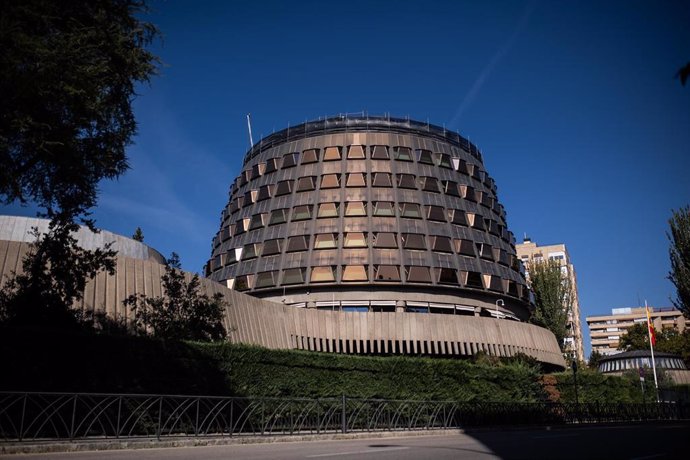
(249, 127)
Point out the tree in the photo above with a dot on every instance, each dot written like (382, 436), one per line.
(669, 340)
(68, 78)
(636, 338)
(594, 359)
(552, 292)
(182, 313)
(138, 235)
(54, 276)
(679, 253)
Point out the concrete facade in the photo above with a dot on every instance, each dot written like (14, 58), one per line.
(261, 322)
(605, 331)
(369, 214)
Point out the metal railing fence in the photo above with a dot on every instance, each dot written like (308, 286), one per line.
(69, 416)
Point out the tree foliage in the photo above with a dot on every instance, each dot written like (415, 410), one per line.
(138, 235)
(552, 292)
(68, 78)
(182, 313)
(55, 272)
(69, 71)
(679, 252)
(594, 359)
(669, 340)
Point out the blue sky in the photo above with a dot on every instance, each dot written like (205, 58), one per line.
(573, 105)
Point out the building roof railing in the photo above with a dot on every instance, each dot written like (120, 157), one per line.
(344, 123)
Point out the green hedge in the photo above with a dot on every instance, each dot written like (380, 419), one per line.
(34, 360)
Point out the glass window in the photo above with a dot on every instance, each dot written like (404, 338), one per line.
(382, 180)
(301, 212)
(328, 210)
(474, 279)
(413, 241)
(257, 221)
(457, 217)
(251, 251)
(257, 170)
(441, 244)
(356, 309)
(402, 153)
(484, 251)
(265, 279)
(297, 243)
(244, 282)
(289, 160)
(387, 273)
(284, 187)
(496, 284)
(331, 154)
(355, 152)
(271, 247)
(322, 275)
(356, 180)
(355, 208)
(293, 276)
(430, 184)
(272, 165)
(384, 209)
(385, 240)
(304, 184)
(330, 181)
(278, 216)
(406, 181)
(379, 152)
(476, 221)
(450, 187)
(424, 156)
(446, 276)
(436, 213)
(464, 247)
(468, 193)
(265, 192)
(462, 167)
(355, 273)
(250, 196)
(410, 210)
(444, 161)
(417, 274)
(355, 240)
(325, 241)
(310, 156)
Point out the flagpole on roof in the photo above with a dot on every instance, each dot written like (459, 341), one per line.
(652, 342)
(249, 127)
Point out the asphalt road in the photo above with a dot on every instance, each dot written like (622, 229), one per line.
(637, 442)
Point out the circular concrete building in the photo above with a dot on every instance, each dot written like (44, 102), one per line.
(370, 214)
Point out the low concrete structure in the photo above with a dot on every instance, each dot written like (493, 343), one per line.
(273, 325)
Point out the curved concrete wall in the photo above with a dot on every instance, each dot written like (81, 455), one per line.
(255, 321)
(15, 228)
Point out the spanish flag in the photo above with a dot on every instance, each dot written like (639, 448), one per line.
(652, 334)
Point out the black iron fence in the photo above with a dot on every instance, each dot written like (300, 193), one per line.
(65, 416)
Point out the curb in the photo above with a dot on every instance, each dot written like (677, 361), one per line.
(44, 447)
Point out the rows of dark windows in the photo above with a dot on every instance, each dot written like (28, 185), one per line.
(358, 180)
(330, 210)
(359, 152)
(378, 240)
(380, 273)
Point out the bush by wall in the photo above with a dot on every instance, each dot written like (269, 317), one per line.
(39, 360)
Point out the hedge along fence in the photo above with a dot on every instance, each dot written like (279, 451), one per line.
(50, 361)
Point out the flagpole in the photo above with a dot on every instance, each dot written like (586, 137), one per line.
(651, 348)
